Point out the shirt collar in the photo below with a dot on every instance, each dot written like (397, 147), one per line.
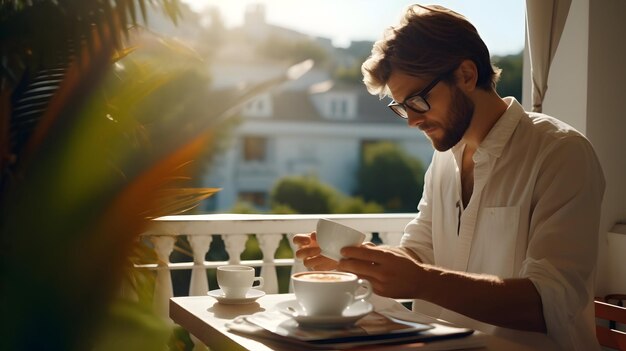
(501, 132)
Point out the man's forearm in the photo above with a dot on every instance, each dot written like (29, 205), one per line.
(510, 303)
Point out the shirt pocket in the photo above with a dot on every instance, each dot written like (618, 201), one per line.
(495, 240)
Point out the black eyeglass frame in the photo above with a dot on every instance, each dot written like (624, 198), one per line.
(396, 106)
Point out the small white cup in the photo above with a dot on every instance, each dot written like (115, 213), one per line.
(235, 281)
(333, 236)
(328, 293)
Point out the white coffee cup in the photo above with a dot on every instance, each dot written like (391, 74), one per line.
(235, 281)
(328, 293)
(333, 236)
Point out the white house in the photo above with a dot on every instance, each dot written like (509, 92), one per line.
(318, 131)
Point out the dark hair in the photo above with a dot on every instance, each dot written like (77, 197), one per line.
(428, 41)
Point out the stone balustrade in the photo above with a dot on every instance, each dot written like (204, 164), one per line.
(235, 230)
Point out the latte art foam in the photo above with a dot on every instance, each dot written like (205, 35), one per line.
(325, 277)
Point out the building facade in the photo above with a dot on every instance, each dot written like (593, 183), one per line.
(302, 132)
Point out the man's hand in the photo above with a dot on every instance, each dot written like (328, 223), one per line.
(309, 252)
(393, 273)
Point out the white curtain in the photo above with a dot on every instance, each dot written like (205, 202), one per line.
(545, 20)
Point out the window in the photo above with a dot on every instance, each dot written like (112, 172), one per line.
(254, 148)
(261, 106)
(257, 198)
(341, 106)
(338, 107)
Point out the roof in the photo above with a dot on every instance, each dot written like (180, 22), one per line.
(294, 106)
(298, 106)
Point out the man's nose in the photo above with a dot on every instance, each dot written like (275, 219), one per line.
(414, 119)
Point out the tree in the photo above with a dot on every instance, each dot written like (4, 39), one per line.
(510, 83)
(214, 34)
(350, 74)
(307, 195)
(358, 205)
(304, 195)
(389, 176)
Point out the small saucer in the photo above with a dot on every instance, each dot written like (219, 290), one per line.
(349, 316)
(251, 296)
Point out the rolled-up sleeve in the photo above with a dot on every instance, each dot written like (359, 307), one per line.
(418, 233)
(563, 236)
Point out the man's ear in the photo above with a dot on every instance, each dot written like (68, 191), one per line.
(467, 75)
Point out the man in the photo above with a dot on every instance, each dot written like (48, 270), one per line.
(506, 235)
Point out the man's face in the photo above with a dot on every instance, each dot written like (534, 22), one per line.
(450, 111)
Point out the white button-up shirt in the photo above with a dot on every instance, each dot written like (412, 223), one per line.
(534, 213)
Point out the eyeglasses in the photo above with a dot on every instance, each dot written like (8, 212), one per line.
(416, 102)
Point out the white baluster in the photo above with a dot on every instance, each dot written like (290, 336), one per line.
(234, 245)
(199, 284)
(391, 238)
(163, 291)
(298, 266)
(268, 244)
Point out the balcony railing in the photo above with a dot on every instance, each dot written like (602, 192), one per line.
(235, 230)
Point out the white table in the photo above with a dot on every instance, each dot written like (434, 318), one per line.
(204, 318)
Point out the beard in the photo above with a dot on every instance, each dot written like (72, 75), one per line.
(456, 123)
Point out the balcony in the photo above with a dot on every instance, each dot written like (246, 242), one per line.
(235, 230)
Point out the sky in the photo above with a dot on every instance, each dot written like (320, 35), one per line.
(499, 22)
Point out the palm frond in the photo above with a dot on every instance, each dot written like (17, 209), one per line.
(5, 128)
(180, 200)
(29, 54)
(93, 183)
(80, 79)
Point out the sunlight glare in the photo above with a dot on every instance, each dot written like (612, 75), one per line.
(354, 20)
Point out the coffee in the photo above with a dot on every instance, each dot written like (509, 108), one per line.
(325, 277)
(328, 293)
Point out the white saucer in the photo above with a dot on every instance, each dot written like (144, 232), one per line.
(349, 316)
(251, 296)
